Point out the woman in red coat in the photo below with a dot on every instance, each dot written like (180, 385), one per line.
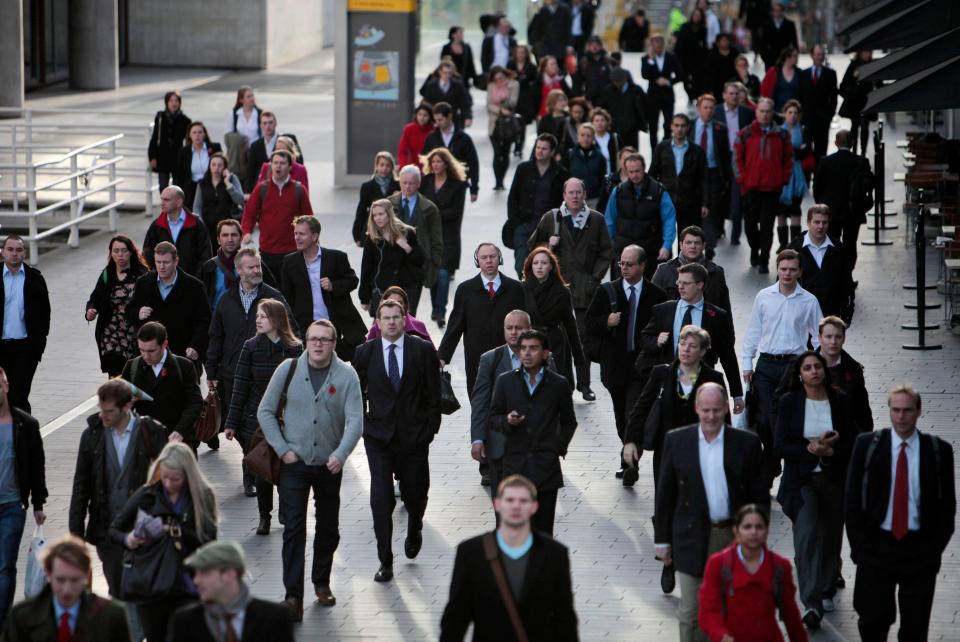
(414, 135)
(746, 584)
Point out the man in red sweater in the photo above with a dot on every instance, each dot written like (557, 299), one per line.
(764, 164)
(274, 203)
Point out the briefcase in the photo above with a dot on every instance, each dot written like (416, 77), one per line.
(207, 424)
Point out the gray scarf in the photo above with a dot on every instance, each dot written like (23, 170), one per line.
(216, 615)
(383, 182)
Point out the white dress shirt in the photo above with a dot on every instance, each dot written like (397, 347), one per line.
(714, 475)
(199, 162)
(447, 136)
(249, 127)
(501, 50)
(313, 275)
(386, 354)
(604, 143)
(159, 366)
(818, 251)
(913, 479)
(817, 420)
(495, 280)
(781, 324)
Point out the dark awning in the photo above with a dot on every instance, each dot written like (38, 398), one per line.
(871, 13)
(911, 60)
(909, 26)
(934, 88)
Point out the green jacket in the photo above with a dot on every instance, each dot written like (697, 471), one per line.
(33, 620)
(426, 220)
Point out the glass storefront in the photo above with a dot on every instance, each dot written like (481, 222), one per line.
(45, 42)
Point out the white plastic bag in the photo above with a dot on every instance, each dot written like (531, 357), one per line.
(740, 421)
(35, 579)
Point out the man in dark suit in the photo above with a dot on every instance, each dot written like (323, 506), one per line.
(177, 300)
(833, 183)
(776, 34)
(662, 332)
(25, 319)
(402, 415)
(317, 282)
(261, 149)
(414, 209)
(735, 116)
(549, 30)
(447, 134)
(536, 582)
(900, 509)
(169, 379)
(708, 472)
(825, 270)
(497, 47)
(177, 225)
(533, 408)
(627, 104)
(225, 602)
(662, 68)
(711, 136)
(692, 241)
(818, 93)
(687, 186)
(480, 305)
(618, 313)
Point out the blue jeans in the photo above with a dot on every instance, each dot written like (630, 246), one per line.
(439, 294)
(521, 234)
(13, 516)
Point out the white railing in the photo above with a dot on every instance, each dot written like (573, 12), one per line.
(41, 133)
(80, 182)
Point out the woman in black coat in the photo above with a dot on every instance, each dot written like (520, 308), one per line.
(855, 95)
(814, 436)
(691, 49)
(529, 101)
(219, 195)
(169, 129)
(182, 501)
(461, 54)
(259, 358)
(193, 160)
(558, 122)
(382, 184)
(456, 94)
(116, 337)
(445, 184)
(675, 386)
(391, 256)
(749, 80)
(550, 306)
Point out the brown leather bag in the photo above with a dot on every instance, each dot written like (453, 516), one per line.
(207, 424)
(261, 460)
(493, 556)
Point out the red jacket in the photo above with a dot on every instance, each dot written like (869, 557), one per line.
(769, 83)
(275, 216)
(751, 611)
(411, 143)
(764, 160)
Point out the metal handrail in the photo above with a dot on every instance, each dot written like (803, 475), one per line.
(78, 151)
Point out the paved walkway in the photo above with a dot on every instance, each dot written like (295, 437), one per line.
(606, 526)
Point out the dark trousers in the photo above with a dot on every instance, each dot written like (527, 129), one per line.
(660, 102)
(861, 125)
(543, 519)
(849, 233)
(414, 467)
(413, 294)
(111, 558)
(629, 139)
(163, 180)
(155, 616)
(18, 360)
(817, 539)
(520, 235)
(274, 263)
(294, 485)
(736, 219)
(759, 214)
(819, 135)
(718, 200)
(900, 575)
(766, 377)
(264, 487)
(687, 215)
(495, 470)
(501, 158)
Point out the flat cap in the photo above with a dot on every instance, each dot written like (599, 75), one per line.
(221, 553)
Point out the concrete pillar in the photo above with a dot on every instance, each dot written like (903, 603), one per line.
(11, 54)
(94, 50)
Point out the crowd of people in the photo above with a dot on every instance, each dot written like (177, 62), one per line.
(299, 378)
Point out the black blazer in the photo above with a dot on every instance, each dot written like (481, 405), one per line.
(672, 71)
(256, 157)
(545, 603)
(689, 190)
(819, 100)
(29, 468)
(831, 186)
(487, 49)
(674, 412)
(193, 242)
(616, 363)
(36, 309)
(479, 320)
(208, 277)
(866, 508)
(770, 41)
(534, 448)
(715, 320)
(721, 149)
(848, 377)
(335, 266)
(462, 148)
(182, 173)
(185, 313)
(449, 199)
(549, 31)
(176, 393)
(682, 517)
(369, 192)
(167, 139)
(457, 96)
(263, 620)
(831, 282)
(744, 117)
(531, 196)
(412, 415)
(463, 62)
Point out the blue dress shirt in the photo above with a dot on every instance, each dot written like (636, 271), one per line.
(696, 315)
(678, 152)
(698, 132)
(177, 225)
(536, 380)
(164, 288)
(14, 324)
(73, 611)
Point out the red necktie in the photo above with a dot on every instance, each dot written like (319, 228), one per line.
(63, 631)
(816, 75)
(901, 494)
(703, 138)
(493, 292)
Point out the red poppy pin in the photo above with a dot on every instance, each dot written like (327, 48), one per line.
(332, 390)
(163, 372)
(711, 313)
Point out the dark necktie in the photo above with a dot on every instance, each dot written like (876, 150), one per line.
(393, 368)
(901, 495)
(492, 292)
(703, 138)
(687, 317)
(406, 210)
(230, 635)
(64, 634)
(632, 319)
(816, 75)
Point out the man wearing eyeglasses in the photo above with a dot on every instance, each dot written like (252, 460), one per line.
(322, 423)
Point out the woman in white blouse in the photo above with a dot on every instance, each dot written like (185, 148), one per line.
(243, 127)
(193, 160)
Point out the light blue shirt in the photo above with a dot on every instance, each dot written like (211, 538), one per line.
(73, 612)
(177, 225)
(14, 326)
(121, 441)
(763, 555)
(536, 380)
(519, 551)
(678, 152)
(696, 315)
(698, 132)
(412, 204)
(515, 360)
(166, 288)
(313, 273)
(668, 216)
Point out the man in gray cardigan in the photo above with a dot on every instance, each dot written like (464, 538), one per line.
(322, 423)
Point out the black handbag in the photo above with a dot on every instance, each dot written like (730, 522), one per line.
(150, 572)
(507, 127)
(448, 400)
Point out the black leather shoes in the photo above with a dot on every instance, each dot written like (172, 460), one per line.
(250, 490)
(763, 269)
(384, 573)
(631, 475)
(619, 474)
(412, 545)
(588, 394)
(263, 528)
(668, 579)
(812, 619)
(324, 596)
(295, 605)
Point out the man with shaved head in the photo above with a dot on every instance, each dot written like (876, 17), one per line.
(178, 226)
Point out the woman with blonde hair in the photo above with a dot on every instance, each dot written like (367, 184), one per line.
(391, 256)
(297, 171)
(260, 356)
(382, 184)
(176, 505)
(445, 184)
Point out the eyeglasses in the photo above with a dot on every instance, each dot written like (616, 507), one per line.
(316, 341)
(627, 264)
(681, 284)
